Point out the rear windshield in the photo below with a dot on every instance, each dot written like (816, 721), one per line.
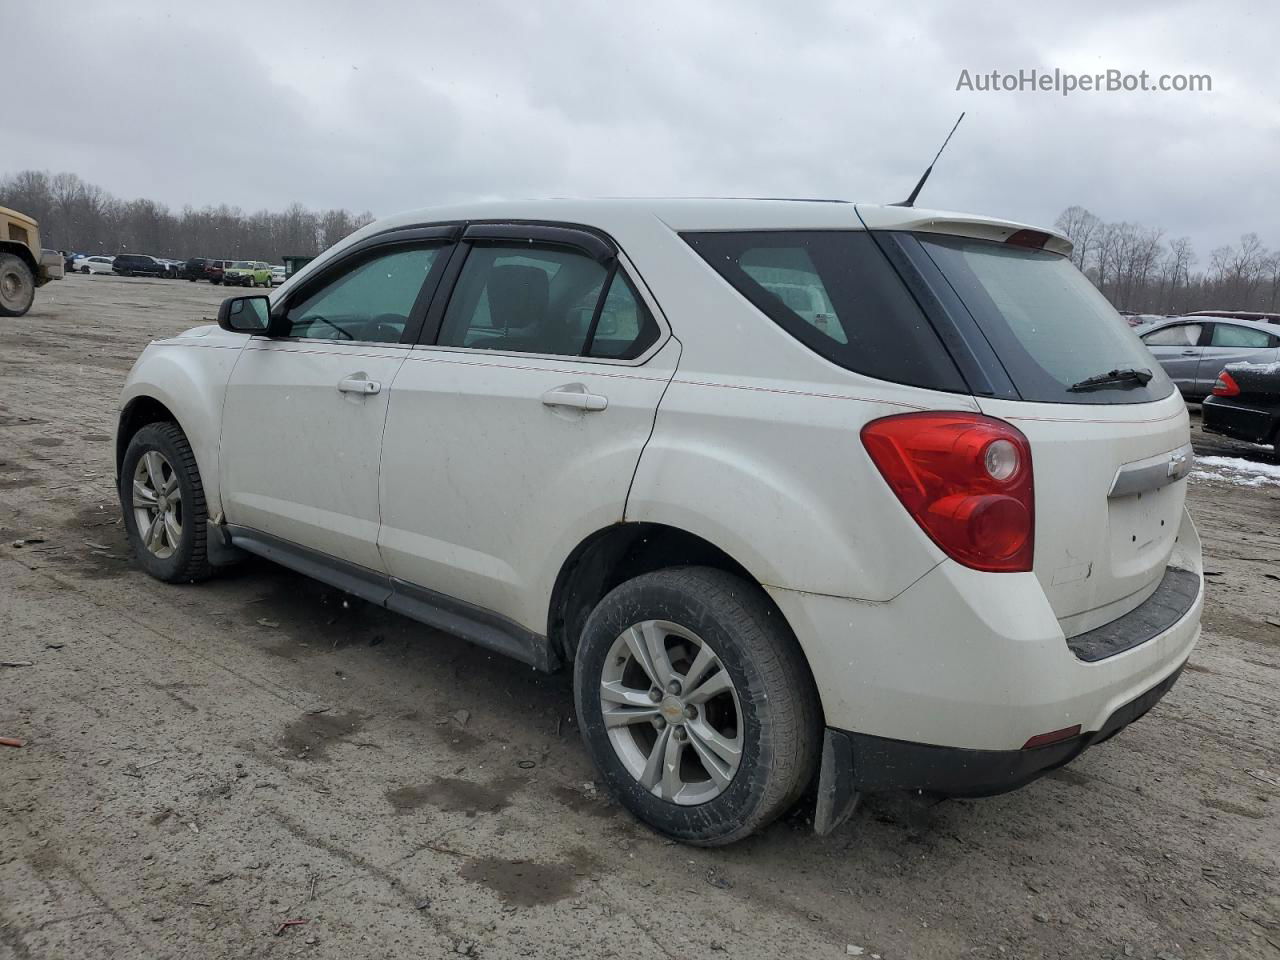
(836, 293)
(1048, 325)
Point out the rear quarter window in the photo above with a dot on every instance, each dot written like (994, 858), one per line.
(835, 292)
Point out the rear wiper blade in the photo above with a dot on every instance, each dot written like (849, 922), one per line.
(1138, 375)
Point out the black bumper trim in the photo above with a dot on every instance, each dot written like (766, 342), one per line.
(880, 764)
(1175, 595)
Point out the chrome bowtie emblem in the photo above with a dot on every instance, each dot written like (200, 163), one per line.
(1176, 464)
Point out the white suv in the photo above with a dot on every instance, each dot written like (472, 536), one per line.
(813, 496)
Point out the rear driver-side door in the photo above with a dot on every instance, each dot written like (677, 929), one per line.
(1229, 342)
(514, 434)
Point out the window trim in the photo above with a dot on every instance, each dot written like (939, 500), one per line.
(430, 333)
(397, 237)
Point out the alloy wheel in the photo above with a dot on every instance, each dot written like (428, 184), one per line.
(672, 712)
(157, 504)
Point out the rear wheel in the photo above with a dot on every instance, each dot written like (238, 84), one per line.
(696, 704)
(17, 286)
(163, 503)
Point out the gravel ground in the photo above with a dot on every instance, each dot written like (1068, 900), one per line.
(205, 763)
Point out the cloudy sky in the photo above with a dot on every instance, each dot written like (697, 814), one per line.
(389, 106)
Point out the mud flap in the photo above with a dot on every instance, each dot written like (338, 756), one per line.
(217, 544)
(837, 798)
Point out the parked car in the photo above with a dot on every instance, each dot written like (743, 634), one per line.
(200, 268)
(97, 265)
(1245, 403)
(138, 265)
(1193, 349)
(247, 273)
(937, 543)
(277, 275)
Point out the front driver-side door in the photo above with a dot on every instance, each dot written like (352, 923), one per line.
(1177, 347)
(302, 423)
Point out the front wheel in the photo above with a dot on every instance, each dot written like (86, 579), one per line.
(163, 502)
(696, 704)
(17, 286)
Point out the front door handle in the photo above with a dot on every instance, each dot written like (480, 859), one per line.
(359, 384)
(1190, 353)
(574, 395)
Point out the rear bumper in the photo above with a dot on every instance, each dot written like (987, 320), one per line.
(878, 764)
(855, 763)
(977, 661)
(1251, 422)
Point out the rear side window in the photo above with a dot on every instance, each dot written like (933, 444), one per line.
(1049, 326)
(836, 293)
(1229, 335)
(1179, 335)
(549, 300)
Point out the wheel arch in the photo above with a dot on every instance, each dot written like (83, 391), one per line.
(136, 414)
(22, 252)
(184, 384)
(618, 553)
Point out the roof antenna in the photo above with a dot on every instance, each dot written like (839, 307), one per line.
(911, 200)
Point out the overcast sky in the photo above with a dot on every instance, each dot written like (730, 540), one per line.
(391, 106)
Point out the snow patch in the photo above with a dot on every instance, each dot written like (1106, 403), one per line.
(1237, 471)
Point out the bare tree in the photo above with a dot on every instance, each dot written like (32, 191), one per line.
(1080, 227)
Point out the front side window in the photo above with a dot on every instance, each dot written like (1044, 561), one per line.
(1230, 335)
(370, 301)
(545, 299)
(1179, 335)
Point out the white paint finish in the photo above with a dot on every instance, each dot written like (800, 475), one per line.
(776, 475)
(189, 374)
(299, 457)
(1126, 541)
(486, 490)
(969, 659)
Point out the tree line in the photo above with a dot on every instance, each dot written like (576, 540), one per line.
(78, 216)
(1138, 268)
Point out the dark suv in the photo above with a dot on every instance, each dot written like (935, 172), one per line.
(138, 265)
(199, 268)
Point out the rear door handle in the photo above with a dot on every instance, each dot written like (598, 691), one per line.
(1190, 353)
(574, 395)
(361, 385)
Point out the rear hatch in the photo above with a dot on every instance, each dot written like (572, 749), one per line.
(1036, 342)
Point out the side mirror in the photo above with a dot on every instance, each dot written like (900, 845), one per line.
(247, 315)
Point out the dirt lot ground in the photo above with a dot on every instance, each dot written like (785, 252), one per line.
(205, 763)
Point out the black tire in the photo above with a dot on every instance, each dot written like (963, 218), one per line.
(17, 286)
(85, 270)
(781, 721)
(190, 560)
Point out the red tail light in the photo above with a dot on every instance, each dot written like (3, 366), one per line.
(966, 479)
(1226, 386)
